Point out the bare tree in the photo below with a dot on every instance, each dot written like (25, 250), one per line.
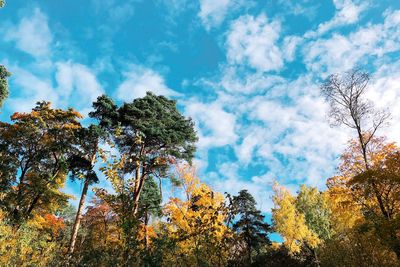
(345, 94)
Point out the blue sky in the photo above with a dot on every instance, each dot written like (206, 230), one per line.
(246, 71)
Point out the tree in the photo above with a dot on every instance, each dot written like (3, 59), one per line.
(36, 243)
(248, 224)
(34, 153)
(278, 255)
(2, 3)
(100, 243)
(150, 205)
(346, 97)
(384, 173)
(121, 202)
(291, 223)
(196, 224)
(356, 248)
(149, 133)
(315, 207)
(3, 79)
(81, 163)
(346, 212)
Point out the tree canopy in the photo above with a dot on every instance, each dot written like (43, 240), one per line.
(143, 203)
(4, 74)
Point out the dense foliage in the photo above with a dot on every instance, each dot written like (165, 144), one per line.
(144, 148)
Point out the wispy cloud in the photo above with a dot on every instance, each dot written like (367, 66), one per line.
(258, 111)
(213, 12)
(32, 34)
(341, 52)
(138, 80)
(347, 12)
(216, 127)
(76, 84)
(253, 41)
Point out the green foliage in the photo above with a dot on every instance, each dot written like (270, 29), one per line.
(129, 226)
(281, 257)
(36, 243)
(150, 200)
(150, 135)
(34, 153)
(152, 122)
(83, 157)
(313, 204)
(4, 74)
(248, 224)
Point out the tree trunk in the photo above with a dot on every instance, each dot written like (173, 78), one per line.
(32, 206)
(78, 218)
(316, 258)
(363, 145)
(138, 191)
(146, 234)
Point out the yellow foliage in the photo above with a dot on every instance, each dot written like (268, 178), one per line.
(290, 223)
(346, 213)
(146, 232)
(197, 223)
(32, 244)
(357, 248)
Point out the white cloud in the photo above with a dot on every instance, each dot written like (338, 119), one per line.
(384, 91)
(32, 35)
(253, 41)
(245, 150)
(347, 12)
(228, 180)
(216, 127)
(282, 127)
(341, 52)
(138, 80)
(77, 85)
(305, 8)
(213, 12)
(290, 45)
(240, 81)
(297, 142)
(116, 11)
(31, 90)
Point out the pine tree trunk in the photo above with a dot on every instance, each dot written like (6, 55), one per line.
(146, 234)
(78, 218)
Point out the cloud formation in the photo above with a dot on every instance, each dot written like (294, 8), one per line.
(213, 12)
(138, 80)
(32, 34)
(252, 41)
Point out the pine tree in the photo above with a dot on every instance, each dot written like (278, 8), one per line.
(248, 223)
(81, 164)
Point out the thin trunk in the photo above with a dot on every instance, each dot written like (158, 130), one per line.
(17, 211)
(33, 204)
(374, 186)
(138, 191)
(139, 181)
(249, 253)
(316, 258)
(78, 218)
(146, 234)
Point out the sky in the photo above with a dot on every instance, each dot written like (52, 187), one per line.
(247, 72)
